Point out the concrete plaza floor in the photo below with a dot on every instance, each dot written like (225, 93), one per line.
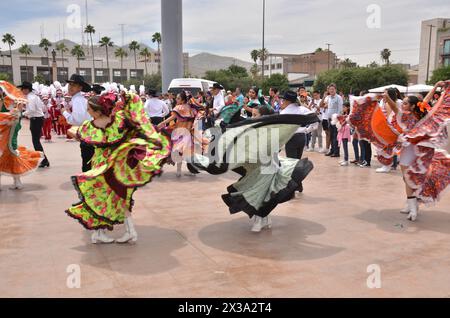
(321, 244)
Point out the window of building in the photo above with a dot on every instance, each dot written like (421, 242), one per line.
(26, 74)
(117, 73)
(279, 66)
(83, 72)
(447, 47)
(98, 73)
(447, 61)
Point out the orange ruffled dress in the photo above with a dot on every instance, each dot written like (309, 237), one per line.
(13, 162)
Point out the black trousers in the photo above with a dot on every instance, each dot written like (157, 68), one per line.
(295, 146)
(366, 151)
(36, 124)
(334, 141)
(294, 149)
(87, 152)
(157, 120)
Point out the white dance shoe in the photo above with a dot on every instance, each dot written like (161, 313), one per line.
(261, 224)
(406, 209)
(130, 234)
(17, 184)
(384, 169)
(100, 237)
(413, 209)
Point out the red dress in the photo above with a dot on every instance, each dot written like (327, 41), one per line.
(429, 173)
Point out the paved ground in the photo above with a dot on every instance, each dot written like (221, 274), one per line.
(321, 245)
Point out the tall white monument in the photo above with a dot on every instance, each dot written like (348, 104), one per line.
(172, 41)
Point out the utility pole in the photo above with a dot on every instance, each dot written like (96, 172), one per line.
(263, 55)
(329, 55)
(429, 52)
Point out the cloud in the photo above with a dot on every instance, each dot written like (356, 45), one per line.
(234, 27)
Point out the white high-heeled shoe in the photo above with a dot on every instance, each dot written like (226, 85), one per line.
(130, 234)
(414, 209)
(99, 236)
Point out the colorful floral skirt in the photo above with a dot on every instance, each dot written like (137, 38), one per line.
(106, 191)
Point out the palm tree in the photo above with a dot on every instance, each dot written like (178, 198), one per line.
(145, 53)
(121, 53)
(91, 30)
(77, 52)
(45, 44)
(385, 55)
(254, 54)
(26, 50)
(9, 39)
(134, 46)
(263, 54)
(61, 47)
(157, 38)
(348, 63)
(106, 42)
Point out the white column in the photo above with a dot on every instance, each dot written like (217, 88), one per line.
(172, 41)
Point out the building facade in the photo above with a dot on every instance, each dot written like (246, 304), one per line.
(434, 50)
(292, 65)
(26, 68)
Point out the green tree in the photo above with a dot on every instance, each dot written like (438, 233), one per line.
(46, 44)
(347, 63)
(361, 78)
(386, 55)
(39, 78)
(25, 49)
(146, 54)
(9, 39)
(254, 55)
(154, 81)
(134, 46)
(77, 51)
(440, 74)
(318, 50)
(106, 42)
(121, 53)
(4, 77)
(91, 30)
(62, 48)
(234, 76)
(157, 38)
(279, 81)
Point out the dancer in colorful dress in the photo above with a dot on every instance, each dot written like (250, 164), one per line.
(128, 154)
(251, 149)
(419, 133)
(181, 120)
(15, 161)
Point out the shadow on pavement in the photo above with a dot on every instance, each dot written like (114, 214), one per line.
(394, 222)
(150, 255)
(286, 241)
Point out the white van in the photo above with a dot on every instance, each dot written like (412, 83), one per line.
(192, 85)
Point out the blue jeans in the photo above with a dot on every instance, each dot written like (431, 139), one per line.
(356, 148)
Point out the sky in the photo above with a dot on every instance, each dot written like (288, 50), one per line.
(234, 27)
